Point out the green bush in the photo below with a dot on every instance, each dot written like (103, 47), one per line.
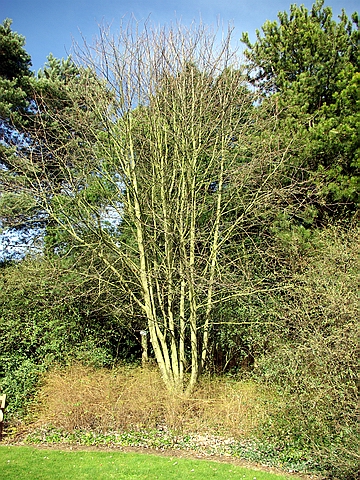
(312, 357)
(46, 319)
(19, 381)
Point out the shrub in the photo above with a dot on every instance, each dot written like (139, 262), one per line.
(312, 358)
(44, 320)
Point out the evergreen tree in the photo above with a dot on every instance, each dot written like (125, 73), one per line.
(28, 107)
(307, 69)
(15, 86)
(15, 74)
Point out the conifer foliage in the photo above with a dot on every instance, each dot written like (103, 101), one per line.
(307, 69)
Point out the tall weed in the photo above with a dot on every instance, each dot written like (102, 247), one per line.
(128, 398)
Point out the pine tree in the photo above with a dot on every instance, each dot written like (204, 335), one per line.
(307, 68)
(15, 86)
(29, 130)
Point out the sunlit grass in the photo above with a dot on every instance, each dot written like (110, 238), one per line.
(45, 464)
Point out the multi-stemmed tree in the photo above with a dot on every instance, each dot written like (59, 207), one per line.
(160, 174)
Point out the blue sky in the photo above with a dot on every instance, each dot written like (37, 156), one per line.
(50, 25)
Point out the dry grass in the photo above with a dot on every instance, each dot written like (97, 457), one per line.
(124, 399)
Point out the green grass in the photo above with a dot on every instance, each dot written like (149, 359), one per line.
(30, 463)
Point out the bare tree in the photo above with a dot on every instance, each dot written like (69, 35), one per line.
(161, 176)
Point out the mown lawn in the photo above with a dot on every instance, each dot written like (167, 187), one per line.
(46, 464)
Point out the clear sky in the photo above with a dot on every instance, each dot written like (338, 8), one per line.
(50, 25)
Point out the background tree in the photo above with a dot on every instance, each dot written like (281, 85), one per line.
(32, 133)
(15, 83)
(15, 94)
(307, 70)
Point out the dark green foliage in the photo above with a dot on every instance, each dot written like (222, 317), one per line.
(312, 353)
(306, 48)
(40, 115)
(47, 318)
(55, 89)
(14, 61)
(15, 91)
(307, 70)
(15, 74)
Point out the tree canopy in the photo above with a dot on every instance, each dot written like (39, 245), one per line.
(306, 66)
(15, 74)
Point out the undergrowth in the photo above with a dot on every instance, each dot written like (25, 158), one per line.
(128, 398)
(129, 406)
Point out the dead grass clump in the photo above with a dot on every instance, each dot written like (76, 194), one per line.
(229, 407)
(124, 399)
(80, 397)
